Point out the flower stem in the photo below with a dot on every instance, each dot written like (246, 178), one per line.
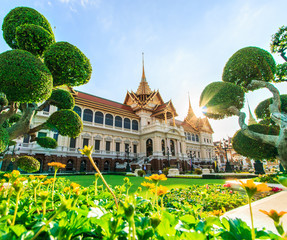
(252, 222)
(44, 207)
(47, 223)
(35, 199)
(54, 187)
(96, 187)
(16, 207)
(104, 181)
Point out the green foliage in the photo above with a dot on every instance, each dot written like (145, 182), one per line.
(67, 64)
(67, 122)
(28, 164)
(217, 97)
(62, 99)
(281, 72)
(12, 143)
(247, 64)
(34, 39)
(279, 41)
(3, 100)
(23, 77)
(47, 142)
(19, 16)
(96, 217)
(15, 118)
(141, 173)
(262, 110)
(267, 178)
(197, 171)
(251, 148)
(4, 139)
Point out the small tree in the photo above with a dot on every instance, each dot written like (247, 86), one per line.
(29, 75)
(247, 70)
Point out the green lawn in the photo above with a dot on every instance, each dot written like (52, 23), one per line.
(113, 180)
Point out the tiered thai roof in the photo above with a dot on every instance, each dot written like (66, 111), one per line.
(192, 123)
(146, 99)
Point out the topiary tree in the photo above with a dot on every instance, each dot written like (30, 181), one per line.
(252, 68)
(29, 75)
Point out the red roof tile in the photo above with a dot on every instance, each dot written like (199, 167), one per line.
(103, 101)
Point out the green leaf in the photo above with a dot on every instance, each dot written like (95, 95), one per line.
(190, 219)
(18, 229)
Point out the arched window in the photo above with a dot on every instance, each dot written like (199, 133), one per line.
(83, 166)
(196, 138)
(188, 136)
(163, 147)
(193, 137)
(109, 120)
(149, 148)
(106, 166)
(78, 110)
(127, 123)
(99, 117)
(69, 166)
(135, 125)
(172, 148)
(88, 115)
(118, 121)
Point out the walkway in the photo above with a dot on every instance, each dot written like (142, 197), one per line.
(276, 202)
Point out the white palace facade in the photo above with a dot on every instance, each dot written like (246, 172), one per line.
(143, 130)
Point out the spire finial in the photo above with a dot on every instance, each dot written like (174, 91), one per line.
(143, 75)
(251, 119)
(189, 100)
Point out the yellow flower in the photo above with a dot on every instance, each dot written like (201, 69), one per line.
(15, 173)
(251, 188)
(217, 213)
(156, 178)
(75, 185)
(148, 185)
(274, 214)
(44, 195)
(56, 165)
(41, 177)
(88, 150)
(22, 179)
(66, 189)
(32, 177)
(161, 190)
(49, 181)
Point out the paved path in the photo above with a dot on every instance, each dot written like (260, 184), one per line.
(277, 202)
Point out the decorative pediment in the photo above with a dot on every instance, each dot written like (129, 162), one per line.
(98, 137)
(118, 140)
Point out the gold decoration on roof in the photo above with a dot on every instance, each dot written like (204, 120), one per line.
(143, 88)
(251, 119)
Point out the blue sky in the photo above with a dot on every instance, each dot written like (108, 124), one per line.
(186, 43)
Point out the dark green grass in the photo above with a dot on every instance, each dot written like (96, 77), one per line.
(114, 180)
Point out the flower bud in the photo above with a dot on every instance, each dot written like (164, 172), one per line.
(155, 220)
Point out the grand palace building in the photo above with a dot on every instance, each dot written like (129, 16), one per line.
(140, 132)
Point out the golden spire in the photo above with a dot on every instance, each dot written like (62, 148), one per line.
(190, 114)
(143, 88)
(143, 75)
(251, 119)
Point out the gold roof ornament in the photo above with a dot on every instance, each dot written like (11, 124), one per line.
(143, 88)
(251, 119)
(190, 118)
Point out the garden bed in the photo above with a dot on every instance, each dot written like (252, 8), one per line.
(228, 175)
(32, 210)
